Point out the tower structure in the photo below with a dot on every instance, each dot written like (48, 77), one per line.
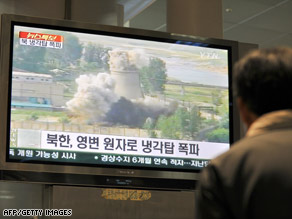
(126, 75)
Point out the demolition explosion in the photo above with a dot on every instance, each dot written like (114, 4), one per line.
(116, 98)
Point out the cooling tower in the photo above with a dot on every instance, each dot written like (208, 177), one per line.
(125, 74)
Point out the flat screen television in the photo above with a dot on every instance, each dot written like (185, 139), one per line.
(112, 106)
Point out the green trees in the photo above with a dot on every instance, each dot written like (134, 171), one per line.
(187, 123)
(153, 76)
(195, 122)
(73, 56)
(69, 55)
(27, 57)
(149, 125)
(169, 127)
(41, 59)
(96, 56)
(183, 124)
(219, 135)
(221, 131)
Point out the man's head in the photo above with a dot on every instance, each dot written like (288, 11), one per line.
(263, 82)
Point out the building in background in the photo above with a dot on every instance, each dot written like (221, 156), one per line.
(36, 90)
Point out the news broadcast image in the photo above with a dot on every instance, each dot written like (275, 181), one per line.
(95, 99)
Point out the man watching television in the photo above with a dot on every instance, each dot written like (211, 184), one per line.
(253, 180)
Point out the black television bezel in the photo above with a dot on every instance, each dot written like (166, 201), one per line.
(73, 174)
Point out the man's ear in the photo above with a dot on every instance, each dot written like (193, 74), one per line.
(246, 115)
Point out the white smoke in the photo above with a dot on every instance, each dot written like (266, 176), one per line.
(96, 101)
(138, 58)
(94, 97)
(127, 60)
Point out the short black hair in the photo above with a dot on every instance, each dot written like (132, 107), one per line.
(263, 80)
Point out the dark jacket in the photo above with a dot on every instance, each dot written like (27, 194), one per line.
(253, 180)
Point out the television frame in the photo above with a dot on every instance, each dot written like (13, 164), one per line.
(87, 175)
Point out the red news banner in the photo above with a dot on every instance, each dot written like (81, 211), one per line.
(41, 40)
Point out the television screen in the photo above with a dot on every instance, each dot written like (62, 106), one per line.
(108, 98)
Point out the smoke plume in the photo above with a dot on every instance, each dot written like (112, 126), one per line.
(127, 60)
(96, 102)
(94, 97)
(134, 113)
